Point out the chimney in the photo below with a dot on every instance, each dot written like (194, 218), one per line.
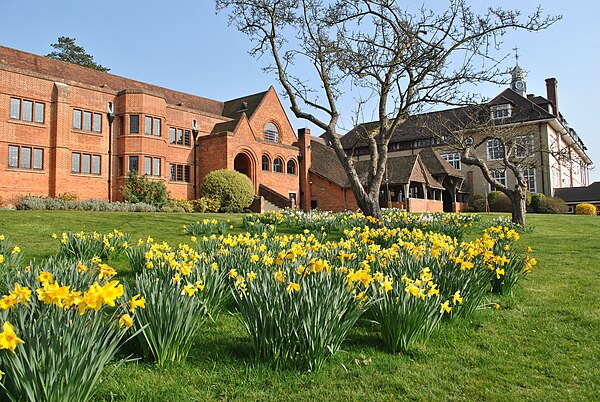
(552, 94)
(304, 159)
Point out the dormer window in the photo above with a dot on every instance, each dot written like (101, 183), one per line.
(271, 132)
(500, 111)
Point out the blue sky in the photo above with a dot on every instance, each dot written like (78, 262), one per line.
(183, 45)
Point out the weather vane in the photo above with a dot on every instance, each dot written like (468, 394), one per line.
(516, 49)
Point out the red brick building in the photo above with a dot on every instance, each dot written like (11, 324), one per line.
(55, 136)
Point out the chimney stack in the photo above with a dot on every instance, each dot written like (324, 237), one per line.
(552, 94)
(304, 159)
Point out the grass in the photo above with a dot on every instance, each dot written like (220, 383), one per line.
(543, 344)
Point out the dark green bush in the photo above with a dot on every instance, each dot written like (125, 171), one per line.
(536, 201)
(233, 190)
(479, 203)
(139, 188)
(553, 205)
(499, 202)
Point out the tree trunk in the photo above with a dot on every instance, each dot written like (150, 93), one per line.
(369, 205)
(519, 206)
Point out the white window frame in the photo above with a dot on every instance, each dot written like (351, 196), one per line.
(524, 146)
(500, 111)
(495, 150)
(530, 178)
(453, 159)
(499, 176)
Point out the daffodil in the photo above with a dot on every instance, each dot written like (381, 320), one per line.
(136, 301)
(125, 321)
(8, 337)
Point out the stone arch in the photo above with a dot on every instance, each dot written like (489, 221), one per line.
(246, 162)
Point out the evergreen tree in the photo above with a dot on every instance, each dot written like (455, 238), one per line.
(67, 50)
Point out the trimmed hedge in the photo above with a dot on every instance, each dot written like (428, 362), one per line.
(585, 209)
(233, 190)
(499, 202)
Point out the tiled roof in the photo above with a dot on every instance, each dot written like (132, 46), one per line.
(400, 169)
(61, 71)
(438, 165)
(248, 104)
(429, 125)
(590, 193)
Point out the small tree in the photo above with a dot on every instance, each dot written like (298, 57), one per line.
(141, 189)
(397, 61)
(233, 189)
(67, 50)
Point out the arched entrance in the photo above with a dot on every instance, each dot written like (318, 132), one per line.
(243, 163)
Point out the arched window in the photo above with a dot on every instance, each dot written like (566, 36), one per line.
(291, 167)
(266, 163)
(271, 132)
(278, 165)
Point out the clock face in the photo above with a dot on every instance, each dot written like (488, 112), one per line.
(520, 85)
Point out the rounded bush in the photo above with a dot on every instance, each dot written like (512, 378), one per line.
(585, 209)
(232, 189)
(499, 202)
(537, 199)
(553, 205)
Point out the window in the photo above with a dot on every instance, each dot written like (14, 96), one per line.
(499, 176)
(266, 163)
(77, 119)
(133, 164)
(26, 110)
(85, 163)
(271, 132)
(291, 167)
(121, 167)
(38, 159)
(278, 165)
(524, 146)
(156, 128)
(156, 167)
(152, 126)
(151, 166)
(21, 157)
(134, 124)
(180, 173)
(75, 162)
(148, 125)
(88, 121)
(97, 122)
(495, 150)
(177, 136)
(96, 162)
(453, 159)
(500, 111)
(15, 108)
(529, 176)
(39, 111)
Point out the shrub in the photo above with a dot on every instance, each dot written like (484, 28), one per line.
(499, 202)
(184, 205)
(67, 197)
(553, 205)
(585, 209)
(232, 189)
(536, 201)
(139, 188)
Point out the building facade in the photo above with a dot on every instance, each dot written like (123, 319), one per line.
(550, 152)
(55, 135)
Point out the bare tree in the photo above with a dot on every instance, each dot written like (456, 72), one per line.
(494, 145)
(402, 61)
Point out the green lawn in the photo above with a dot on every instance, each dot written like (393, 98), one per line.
(543, 344)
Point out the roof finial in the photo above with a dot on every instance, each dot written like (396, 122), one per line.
(516, 49)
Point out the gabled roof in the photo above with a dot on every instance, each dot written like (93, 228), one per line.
(590, 193)
(246, 104)
(438, 165)
(226, 126)
(325, 163)
(428, 125)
